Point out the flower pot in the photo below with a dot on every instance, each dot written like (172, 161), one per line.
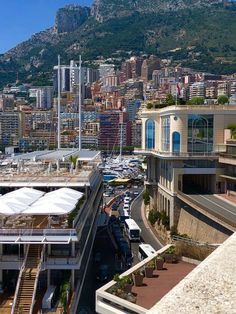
(149, 272)
(128, 287)
(170, 258)
(137, 279)
(159, 264)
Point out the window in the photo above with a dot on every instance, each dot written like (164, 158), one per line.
(165, 133)
(200, 133)
(150, 134)
(176, 142)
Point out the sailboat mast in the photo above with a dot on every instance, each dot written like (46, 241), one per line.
(121, 138)
(59, 103)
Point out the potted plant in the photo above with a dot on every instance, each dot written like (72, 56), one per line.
(128, 283)
(149, 267)
(138, 277)
(124, 283)
(169, 255)
(159, 262)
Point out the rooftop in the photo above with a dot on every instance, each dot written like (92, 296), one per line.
(49, 169)
(61, 154)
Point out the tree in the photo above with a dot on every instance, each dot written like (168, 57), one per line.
(196, 101)
(170, 101)
(149, 105)
(223, 99)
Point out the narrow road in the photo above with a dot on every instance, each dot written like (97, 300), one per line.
(216, 205)
(146, 234)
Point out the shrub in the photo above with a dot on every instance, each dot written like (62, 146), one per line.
(146, 197)
(153, 216)
(149, 105)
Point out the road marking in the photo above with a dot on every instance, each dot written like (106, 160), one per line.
(214, 204)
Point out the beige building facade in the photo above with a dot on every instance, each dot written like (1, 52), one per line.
(182, 145)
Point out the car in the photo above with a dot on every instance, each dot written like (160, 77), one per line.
(102, 273)
(107, 194)
(136, 193)
(135, 186)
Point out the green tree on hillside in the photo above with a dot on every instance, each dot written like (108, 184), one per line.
(223, 99)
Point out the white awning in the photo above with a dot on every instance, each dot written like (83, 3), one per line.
(30, 201)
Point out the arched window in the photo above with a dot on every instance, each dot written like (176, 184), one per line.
(176, 142)
(150, 134)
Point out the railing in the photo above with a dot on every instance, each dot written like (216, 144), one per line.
(181, 155)
(192, 242)
(38, 232)
(192, 107)
(19, 281)
(36, 278)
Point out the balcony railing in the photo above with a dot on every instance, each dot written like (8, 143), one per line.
(180, 154)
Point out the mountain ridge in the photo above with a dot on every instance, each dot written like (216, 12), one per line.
(139, 32)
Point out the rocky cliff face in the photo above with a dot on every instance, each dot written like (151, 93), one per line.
(70, 18)
(106, 9)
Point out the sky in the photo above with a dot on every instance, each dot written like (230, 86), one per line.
(21, 18)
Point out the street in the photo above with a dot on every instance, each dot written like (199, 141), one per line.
(104, 245)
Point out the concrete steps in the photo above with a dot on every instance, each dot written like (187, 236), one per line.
(26, 289)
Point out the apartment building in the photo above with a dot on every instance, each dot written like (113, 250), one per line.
(197, 89)
(182, 145)
(11, 128)
(48, 211)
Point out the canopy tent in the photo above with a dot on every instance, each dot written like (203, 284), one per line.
(10, 208)
(58, 202)
(25, 195)
(50, 209)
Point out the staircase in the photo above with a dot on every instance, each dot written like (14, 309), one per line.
(27, 281)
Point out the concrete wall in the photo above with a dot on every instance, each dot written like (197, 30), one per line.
(201, 228)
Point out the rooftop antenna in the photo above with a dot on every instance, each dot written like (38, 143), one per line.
(80, 98)
(59, 103)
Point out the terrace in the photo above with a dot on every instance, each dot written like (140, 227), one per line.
(112, 298)
(29, 215)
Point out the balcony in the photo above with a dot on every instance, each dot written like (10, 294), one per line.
(112, 299)
(227, 159)
(176, 156)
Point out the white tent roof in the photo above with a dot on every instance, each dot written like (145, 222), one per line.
(10, 208)
(26, 196)
(58, 202)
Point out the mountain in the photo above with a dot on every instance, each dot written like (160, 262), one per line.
(195, 33)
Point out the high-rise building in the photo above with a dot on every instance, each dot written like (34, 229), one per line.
(44, 97)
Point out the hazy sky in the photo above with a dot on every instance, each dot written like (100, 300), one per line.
(21, 18)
